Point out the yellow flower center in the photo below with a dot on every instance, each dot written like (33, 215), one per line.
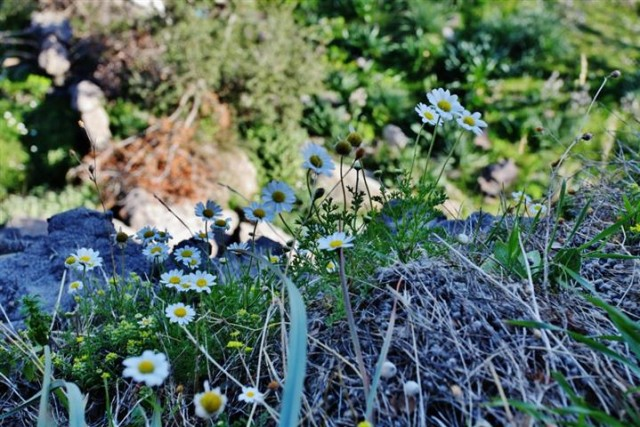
(316, 161)
(185, 285)
(468, 120)
(221, 223)
(180, 312)
(207, 213)
(146, 367)
(278, 196)
(148, 234)
(211, 402)
(85, 258)
(74, 285)
(444, 105)
(174, 280)
(336, 243)
(193, 261)
(187, 253)
(70, 260)
(156, 249)
(250, 394)
(428, 115)
(259, 213)
(201, 283)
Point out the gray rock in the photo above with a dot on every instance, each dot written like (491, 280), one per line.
(498, 176)
(36, 266)
(394, 136)
(87, 98)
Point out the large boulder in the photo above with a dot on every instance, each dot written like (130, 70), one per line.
(34, 264)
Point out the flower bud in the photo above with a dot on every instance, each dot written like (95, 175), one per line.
(319, 193)
(615, 74)
(360, 153)
(354, 139)
(343, 148)
(388, 369)
(411, 388)
(587, 136)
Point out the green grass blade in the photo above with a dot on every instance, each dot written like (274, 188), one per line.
(297, 363)
(629, 329)
(44, 419)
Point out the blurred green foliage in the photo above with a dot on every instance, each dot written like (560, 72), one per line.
(524, 65)
(256, 58)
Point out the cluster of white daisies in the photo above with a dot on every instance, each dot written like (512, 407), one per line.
(445, 107)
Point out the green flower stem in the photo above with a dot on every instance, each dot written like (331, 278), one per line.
(344, 192)
(352, 326)
(415, 151)
(431, 144)
(447, 159)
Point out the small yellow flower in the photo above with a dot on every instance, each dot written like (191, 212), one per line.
(635, 228)
(365, 423)
(235, 344)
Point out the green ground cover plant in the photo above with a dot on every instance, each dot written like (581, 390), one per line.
(369, 316)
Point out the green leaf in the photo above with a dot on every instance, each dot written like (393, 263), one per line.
(76, 405)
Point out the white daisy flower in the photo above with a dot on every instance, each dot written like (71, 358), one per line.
(147, 235)
(258, 212)
(238, 248)
(445, 104)
(72, 262)
(278, 196)
(121, 239)
(273, 259)
(331, 267)
(151, 368)
(187, 254)
(180, 313)
(221, 224)
(201, 281)
(251, 395)
(317, 159)
(335, 241)
(208, 211)
(186, 285)
(163, 236)
(203, 235)
(209, 403)
(536, 209)
(520, 196)
(471, 122)
(88, 259)
(145, 322)
(428, 114)
(75, 286)
(156, 252)
(172, 279)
